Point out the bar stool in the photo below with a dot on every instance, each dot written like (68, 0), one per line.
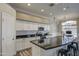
(76, 44)
(73, 46)
(63, 52)
(67, 52)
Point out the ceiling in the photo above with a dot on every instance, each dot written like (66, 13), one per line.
(58, 12)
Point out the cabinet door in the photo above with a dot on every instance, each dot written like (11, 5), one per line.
(19, 25)
(8, 34)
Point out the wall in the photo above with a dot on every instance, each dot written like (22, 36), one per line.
(53, 27)
(0, 35)
(59, 26)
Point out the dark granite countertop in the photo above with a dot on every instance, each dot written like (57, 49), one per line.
(27, 34)
(51, 45)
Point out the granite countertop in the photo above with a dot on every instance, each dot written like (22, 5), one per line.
(52, 44)
(26, 33)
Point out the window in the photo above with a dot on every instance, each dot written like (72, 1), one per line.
(70, 26)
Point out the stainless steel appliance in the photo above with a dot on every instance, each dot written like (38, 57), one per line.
(42, 34)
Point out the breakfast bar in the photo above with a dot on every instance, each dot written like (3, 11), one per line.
(48, 49)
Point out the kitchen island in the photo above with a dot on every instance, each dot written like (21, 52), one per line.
(48, 49)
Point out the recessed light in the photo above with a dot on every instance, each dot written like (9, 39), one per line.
(42, 10)
(64, 9)
(28, 4)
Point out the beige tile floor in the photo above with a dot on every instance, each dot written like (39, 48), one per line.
(25, 52)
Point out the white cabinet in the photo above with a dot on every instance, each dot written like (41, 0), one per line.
(34, 26)
(26, 25)
(24, 43)
(8, 34)
(38, 51)
(19, 25)
(19, 44)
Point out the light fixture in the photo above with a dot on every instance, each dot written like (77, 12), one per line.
(28, 4)
(64, 9)
(42, 10)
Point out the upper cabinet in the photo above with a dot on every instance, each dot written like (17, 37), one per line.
(29, 22)
(26, 25)
(27, 17)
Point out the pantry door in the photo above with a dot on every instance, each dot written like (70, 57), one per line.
(8, 34)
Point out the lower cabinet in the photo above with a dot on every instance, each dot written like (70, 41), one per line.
(24, 43)
(38, 51)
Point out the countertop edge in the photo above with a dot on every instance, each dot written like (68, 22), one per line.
(50, 47)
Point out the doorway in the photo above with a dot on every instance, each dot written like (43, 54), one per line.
(69, 31)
